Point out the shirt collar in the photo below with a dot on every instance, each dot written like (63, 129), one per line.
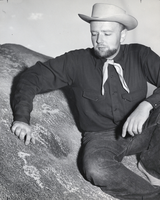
(119, 57)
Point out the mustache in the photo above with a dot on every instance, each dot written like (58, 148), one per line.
(101, 45)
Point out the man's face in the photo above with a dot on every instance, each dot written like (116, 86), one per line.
(106, 38)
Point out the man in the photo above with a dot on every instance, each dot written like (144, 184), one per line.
(110, 86)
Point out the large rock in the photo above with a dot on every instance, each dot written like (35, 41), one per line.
(47, 170)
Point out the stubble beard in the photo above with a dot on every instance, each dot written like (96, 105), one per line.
(105, 54)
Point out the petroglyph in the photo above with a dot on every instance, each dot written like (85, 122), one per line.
(50, 140)
(48, 109)
(30, 170)
(36, 130)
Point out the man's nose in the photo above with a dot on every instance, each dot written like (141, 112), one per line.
(99, 38)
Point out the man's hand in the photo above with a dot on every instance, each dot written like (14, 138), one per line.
(22, 131)
(135, 121)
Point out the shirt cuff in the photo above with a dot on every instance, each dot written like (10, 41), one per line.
(25, 119)
(154, 100)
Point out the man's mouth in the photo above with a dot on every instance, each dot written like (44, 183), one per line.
(101, 48)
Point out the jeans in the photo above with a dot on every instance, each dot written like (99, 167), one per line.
(102, 153)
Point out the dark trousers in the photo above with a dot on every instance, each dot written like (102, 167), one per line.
(104, 151)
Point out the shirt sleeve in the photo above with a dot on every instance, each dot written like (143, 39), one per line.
(40, 78)
(152, 71)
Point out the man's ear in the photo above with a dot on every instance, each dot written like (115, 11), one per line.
(123, 35)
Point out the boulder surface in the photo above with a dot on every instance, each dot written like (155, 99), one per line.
(47, 170)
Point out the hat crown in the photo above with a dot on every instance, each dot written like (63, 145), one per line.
(111, 13)
(101, 10)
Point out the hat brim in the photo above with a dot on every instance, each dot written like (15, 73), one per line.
(128, 21)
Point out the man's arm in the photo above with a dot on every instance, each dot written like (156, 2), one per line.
(22, 104)
(151, 69)
(135, 121)
(37, 79)
(40, 78)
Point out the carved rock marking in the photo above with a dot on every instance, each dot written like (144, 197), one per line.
(30, 170)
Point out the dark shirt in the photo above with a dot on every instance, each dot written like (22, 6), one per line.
(82, 70)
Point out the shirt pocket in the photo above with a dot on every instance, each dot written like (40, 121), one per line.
(93, 103)
(92, 96)
(135, 96)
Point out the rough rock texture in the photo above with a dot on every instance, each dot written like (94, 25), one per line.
(47, 170)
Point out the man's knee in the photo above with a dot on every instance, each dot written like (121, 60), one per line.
(98, 171)
(91, 170)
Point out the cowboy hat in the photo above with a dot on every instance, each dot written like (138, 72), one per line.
(111, 13)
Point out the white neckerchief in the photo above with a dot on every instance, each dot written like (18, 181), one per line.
(119, 71)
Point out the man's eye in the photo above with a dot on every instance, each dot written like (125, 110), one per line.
(107, 34)
(93, 34)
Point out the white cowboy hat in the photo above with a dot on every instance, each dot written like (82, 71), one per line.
(111, 13)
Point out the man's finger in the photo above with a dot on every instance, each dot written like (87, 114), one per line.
(140, 126)
(22, 134)
(17, 131)
(13, 128)
(124, 130)
(28, 139)
(33, 140)
(134, 130)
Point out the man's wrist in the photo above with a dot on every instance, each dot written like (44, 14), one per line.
(145, 104)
